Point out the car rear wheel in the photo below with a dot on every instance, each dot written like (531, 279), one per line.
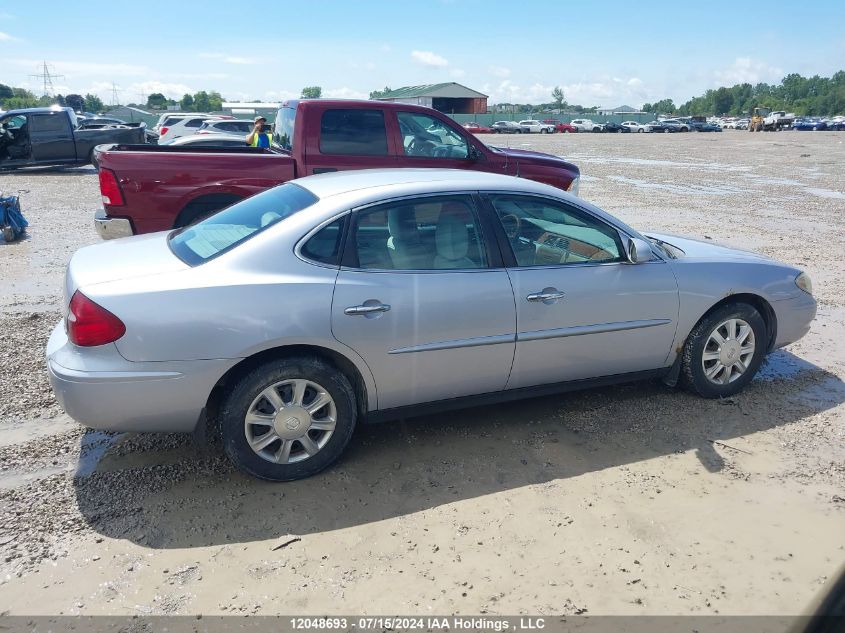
(640, 131)
(288, 419)
(724, 351)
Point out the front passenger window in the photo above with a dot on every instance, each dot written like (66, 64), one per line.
(544, 232)
(424, 135)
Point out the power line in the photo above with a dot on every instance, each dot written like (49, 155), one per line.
(46, 77)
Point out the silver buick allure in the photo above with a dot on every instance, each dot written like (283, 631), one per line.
(287, 318)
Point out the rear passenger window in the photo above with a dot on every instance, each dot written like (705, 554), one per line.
(49, 123)
(324, 246)
(423, 234)
(356, 132)
(194, 123)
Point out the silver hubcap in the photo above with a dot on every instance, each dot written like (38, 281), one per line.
(290, 421)
(728, 351)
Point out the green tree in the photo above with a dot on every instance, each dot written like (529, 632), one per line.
(377, 94)
(558, 97)
(311, 92)
(722, 102)
(156, 100)
(187, 102)
(215, 101)
(93, 103)
(201, 101)
(647, 107)
(664, 106)
(6, 92)
(75, 101)
(16, 103)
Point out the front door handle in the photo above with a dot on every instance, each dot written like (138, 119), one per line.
(547, 296)
(365, 310)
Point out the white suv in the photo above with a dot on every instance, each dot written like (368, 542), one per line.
(585, 125)
(536, 127)
(184, 127)
(169, 118)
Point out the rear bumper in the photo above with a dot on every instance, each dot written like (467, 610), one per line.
(100, 389)
(111, 228)
(794, 316)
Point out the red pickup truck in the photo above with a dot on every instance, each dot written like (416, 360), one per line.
(148, 188)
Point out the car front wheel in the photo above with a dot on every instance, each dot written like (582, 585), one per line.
(288, 419)
(724, 351)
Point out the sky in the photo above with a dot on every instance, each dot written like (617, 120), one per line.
(606, 54)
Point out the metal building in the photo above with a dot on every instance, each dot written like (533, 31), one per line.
(450, 98)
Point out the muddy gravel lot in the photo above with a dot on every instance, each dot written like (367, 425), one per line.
(627, 500)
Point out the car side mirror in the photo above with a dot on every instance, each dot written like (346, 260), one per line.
(474, 154)
(638, 251)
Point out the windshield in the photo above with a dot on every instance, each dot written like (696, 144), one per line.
(234, 225)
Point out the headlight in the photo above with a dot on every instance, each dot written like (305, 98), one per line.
(803, 282)
(574, 185)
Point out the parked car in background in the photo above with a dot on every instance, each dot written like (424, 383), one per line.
(673, 125)
(226, 126)
(835, 126)
(560, 126)
(809, 124)
(158, 188)
(48, 136)
(618, 128)
(207, 140)
(169, 118)
(346, 276)
(532, 126)
(742, 124)
(633, 126)
(477, 128)
(709, 127)
(184, 127)
(585, 125)
(506, 127)
(656, 126)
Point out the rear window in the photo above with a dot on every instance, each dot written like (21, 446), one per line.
(355, 132)
(283, 134)
(227, 229)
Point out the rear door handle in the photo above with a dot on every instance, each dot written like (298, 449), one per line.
(366, 309)
(547, 296)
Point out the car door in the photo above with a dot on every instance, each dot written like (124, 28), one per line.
(582, 310)
(51, 137)
(424, 300)
(349, 138)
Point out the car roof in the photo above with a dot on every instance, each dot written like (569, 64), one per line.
(205, 138)
(335, 183)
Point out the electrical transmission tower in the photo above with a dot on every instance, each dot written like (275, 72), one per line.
(46, 77)
(114, 92)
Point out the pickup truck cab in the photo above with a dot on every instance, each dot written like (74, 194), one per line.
(51, 136)
(156, 188)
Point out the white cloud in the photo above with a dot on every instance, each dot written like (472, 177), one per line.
(5, 37)
(344, 93)
(747, 70)
(169, 90)
(499, 71)
(456, 73)
(84, 69)
(229, 59)
(428, 58)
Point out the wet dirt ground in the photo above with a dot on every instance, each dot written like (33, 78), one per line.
(626, 500)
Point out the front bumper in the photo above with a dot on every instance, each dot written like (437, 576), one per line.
(100, 389)
(794, 316)
(111, 228)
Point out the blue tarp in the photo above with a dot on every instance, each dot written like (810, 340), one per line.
(11, 217)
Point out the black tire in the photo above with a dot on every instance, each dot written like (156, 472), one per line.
(640, 130)
(692, 369)
(248, 388)
(8, 234)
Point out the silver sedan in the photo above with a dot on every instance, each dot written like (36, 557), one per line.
(289, 317)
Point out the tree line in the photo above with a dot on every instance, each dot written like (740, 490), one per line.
(16, 98)
(810, 96)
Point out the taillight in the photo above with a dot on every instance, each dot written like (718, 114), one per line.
(90, 324)
(109, 189)
(163, 131)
